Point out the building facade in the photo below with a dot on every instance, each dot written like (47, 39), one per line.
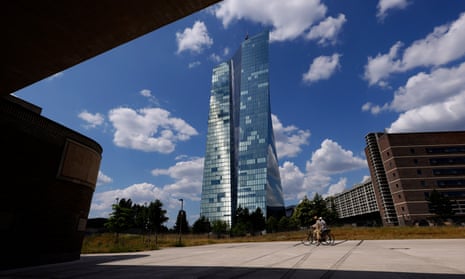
(358, 201)
(241, 166)
(53, 171)
(406, 167)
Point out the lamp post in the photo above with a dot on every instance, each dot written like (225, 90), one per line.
(181, 212)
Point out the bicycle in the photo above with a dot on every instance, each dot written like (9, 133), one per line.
(326, 238)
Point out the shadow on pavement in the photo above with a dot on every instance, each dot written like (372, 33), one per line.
(105, 267)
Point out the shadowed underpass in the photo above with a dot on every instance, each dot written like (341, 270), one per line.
(435, 259)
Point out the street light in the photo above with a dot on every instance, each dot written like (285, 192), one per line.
(181, 212)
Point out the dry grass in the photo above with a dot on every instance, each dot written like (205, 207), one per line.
(104, 243)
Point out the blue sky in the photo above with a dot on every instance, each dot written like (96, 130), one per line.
(338, 71)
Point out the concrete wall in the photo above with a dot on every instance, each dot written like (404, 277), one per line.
(48, 175)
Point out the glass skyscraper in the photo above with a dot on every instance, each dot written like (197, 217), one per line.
(241, 166)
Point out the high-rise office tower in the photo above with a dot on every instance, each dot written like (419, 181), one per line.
(241, 166)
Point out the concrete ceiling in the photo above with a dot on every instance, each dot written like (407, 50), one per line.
(43, 37)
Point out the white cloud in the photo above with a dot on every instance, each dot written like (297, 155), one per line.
(289, 139)
(443, 45)
(327, 30)
(138, 193)
(374, 109)
(382, 65)
(187, 177)
(55, 76)
(93, 120)
(385, 5)
(428, 102)
(426, 89)
(194, 39)
(194, 64)
(103, 178)
(226, 51)
(365, 178)
(215, 57)
(292, 180)
(326, 163)
(322, 67)
(445, 116)
(331, 158)
(187, 182)
(440, 47)
(148, 94)
(149, 129)
(289, 19)
(219, 57)
(336, 188)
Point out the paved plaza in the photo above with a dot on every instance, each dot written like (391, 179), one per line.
(436, 259)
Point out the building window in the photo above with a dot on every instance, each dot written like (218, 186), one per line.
(422, 183)
(448, 171)
(415, 161)
(451, 183)
(412, 150)
(418, 171)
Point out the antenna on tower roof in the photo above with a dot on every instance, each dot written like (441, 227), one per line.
(246, 35)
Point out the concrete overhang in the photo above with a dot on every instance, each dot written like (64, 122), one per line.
(41, 38)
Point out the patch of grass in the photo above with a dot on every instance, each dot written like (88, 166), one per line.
(105, 243)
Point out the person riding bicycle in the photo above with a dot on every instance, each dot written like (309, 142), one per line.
(324, 227)
(319, 228)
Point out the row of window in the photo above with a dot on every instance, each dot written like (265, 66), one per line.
(450, 149)
(455, 171)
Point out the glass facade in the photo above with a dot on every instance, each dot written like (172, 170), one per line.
(241, 166)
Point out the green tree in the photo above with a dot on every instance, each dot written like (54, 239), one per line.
(181, 224)
(331, 216)
(202, 225)
(440, 205)
(219, 227)
(319, 207)
(156, 216)
(303, 213)
(257, 221)
(287, 224)
(121, 217)
(272, 224)
(140, 217)
(241, 224)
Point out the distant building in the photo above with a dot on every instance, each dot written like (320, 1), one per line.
(406, 167)
(241, 166)
(358, 201)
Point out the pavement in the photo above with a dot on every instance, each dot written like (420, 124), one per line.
(435, 259)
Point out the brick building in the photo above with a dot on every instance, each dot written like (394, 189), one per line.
(406, 167)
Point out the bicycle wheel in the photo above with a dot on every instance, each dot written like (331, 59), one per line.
(330, 239)
(312, 239)
(327, 238)
(309, 240)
